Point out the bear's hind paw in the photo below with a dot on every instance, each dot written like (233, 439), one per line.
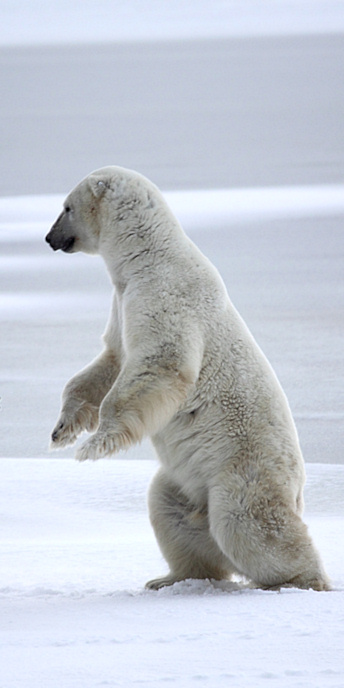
(158, 583)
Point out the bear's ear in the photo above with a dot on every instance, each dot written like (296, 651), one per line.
(97, 186)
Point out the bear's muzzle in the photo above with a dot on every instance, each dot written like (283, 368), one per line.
(57, 241)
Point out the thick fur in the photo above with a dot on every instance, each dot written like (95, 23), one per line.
(180, 365)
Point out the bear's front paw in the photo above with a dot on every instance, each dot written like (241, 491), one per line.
(69, 426)
(100, 445)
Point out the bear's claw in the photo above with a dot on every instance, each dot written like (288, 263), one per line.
(69, 427)
(62, 436)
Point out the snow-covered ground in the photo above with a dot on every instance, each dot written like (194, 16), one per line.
(76, 546)
(76, 550)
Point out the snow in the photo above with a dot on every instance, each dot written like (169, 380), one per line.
(76, 550)
(76, 546)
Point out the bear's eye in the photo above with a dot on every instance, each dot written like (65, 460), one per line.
(67, 209)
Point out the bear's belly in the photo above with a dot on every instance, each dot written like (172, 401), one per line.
(193, 450)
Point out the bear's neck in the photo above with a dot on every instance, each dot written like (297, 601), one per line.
(138, 255)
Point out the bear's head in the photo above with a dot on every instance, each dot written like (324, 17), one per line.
(76, 228)
(107, 197)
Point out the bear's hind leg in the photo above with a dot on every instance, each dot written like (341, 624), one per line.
(266, 540)
(182, 532)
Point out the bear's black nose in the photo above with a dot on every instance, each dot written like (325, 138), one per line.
(50, 240)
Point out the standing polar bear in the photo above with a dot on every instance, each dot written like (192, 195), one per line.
(180, 366)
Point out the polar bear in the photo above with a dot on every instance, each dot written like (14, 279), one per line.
(180, 366)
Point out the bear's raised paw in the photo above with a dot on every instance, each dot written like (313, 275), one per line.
(69, 427)
(100, 445)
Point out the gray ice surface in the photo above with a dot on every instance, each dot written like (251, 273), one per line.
(188, 114)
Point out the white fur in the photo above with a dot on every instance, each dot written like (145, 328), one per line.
(180, 366)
